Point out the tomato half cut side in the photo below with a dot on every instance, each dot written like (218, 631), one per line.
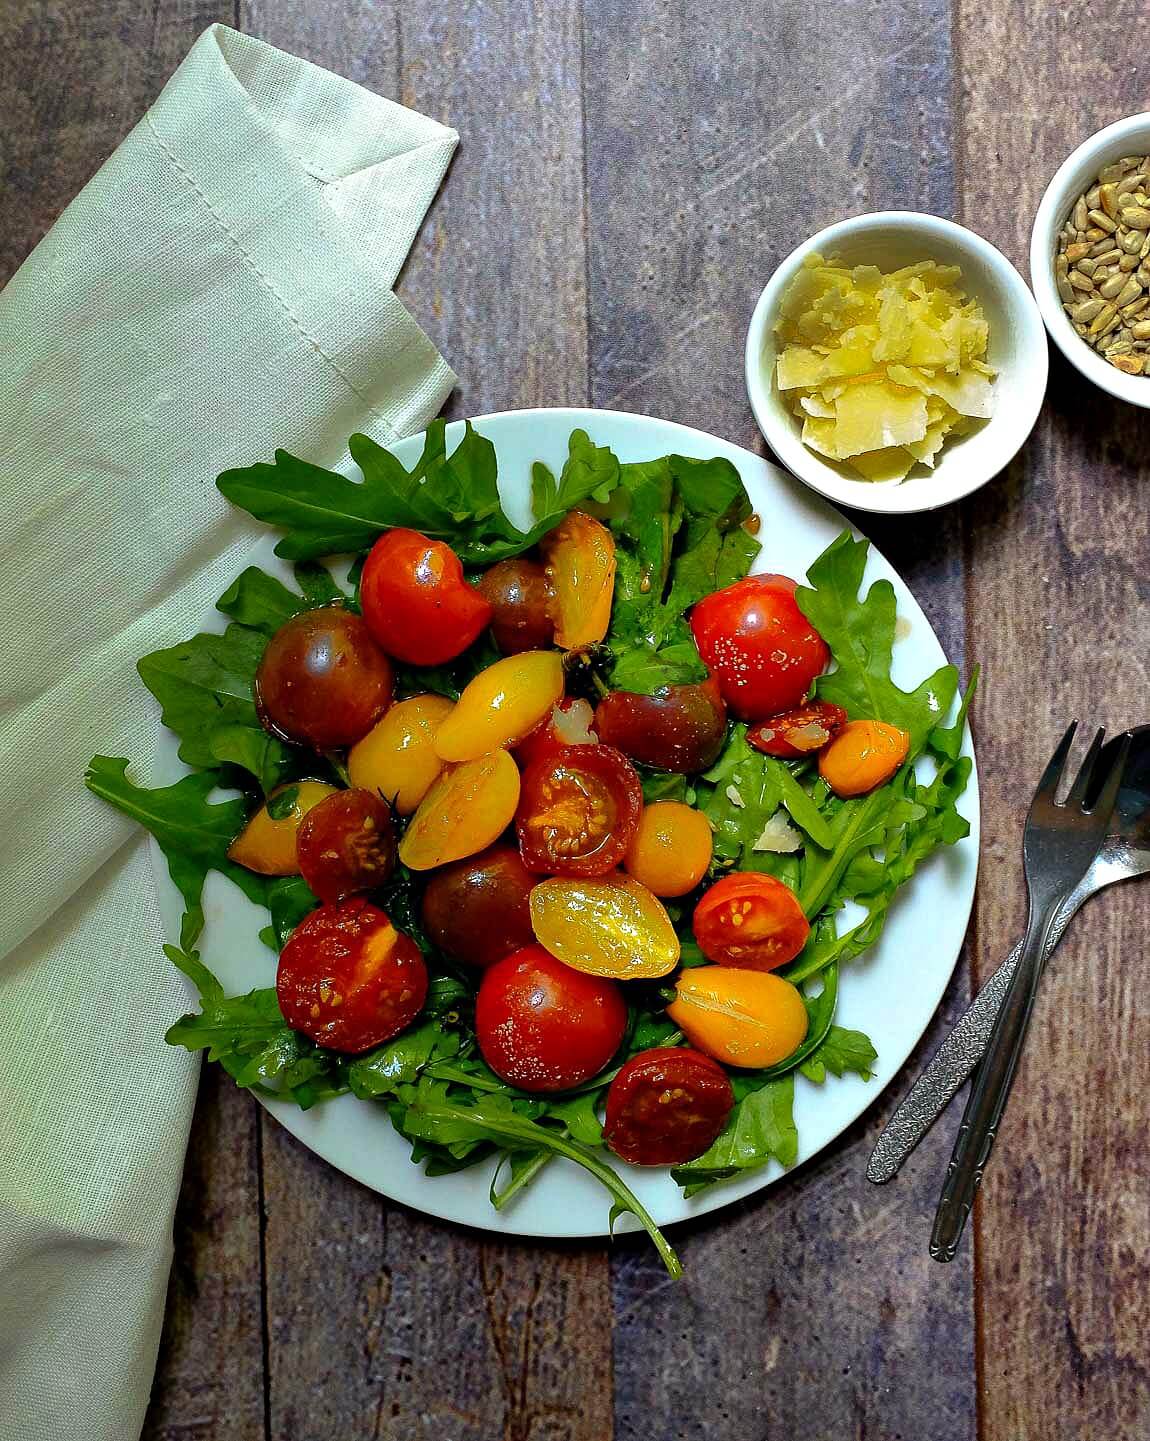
(578, 811)
(348, 979)
(579, 555)
(799, 732)
(666, 1106)
(750, 921)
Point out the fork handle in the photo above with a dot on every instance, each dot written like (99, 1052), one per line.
(992, 1083)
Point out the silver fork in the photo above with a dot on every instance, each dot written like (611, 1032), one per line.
(1060, 841)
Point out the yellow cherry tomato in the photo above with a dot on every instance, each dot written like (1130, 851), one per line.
(501, 705)
(605, 925)
(580, 560)
(671, 850)
(267, 843)
(863, 755)
(397, 758)
(742, 1018)
(466, 809)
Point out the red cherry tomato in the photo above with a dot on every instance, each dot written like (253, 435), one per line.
(348, 979)
(758, 643)
(798, 732)
(750, 921)
(322, 680)
(478, 910)
(519, 595)
(544, 1027)
(666, 1106)
(346, 844)
(679, 728)
(415, 600)
(578, 811)
(569, 724)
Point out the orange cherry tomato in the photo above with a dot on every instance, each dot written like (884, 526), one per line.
(267, 843)
(501, 705)
(750, 921)
(580, 558)
(605, 926)
(671, 849)
(742, 1018)
(798, 732)
(348, 979)
(397, 758)
(466, 810)
(863, 755)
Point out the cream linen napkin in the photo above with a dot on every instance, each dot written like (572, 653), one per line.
(221, 287)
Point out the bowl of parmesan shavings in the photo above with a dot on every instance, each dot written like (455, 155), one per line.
(896, 362)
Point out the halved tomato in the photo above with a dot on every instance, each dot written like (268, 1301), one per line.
(578, 811)
(750, 921)
(580, 559)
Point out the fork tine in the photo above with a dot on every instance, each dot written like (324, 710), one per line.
(1085, 776)
(1048, 785)
(1108, 795)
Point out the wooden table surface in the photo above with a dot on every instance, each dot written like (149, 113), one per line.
(630, 173)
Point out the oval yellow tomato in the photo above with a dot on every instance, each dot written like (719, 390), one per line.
(466, 810)
(605, 925)
(863, 755)
(397, 758)
(580, 559)
(501, 705)
(742, 1018)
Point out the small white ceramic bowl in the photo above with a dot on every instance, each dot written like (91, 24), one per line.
(1016, 348)
(1076, 174)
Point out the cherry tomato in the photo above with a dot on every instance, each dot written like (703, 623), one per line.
(544, 1027)
(671, 849)
(267, 843)
(347, 844)
(580, 561)
(679, 728)
(605, 926)
(758, 643)
(519, 596)
(467, 808)
(742, 1018)
(348, 979)
(322, 681)
(798, 732)
(666, 1106)
(750, 921)
(478, 910)
(863, 755)
(397, 758)
(569, 724)
(415, 600)
(501, 705)
(578, 811)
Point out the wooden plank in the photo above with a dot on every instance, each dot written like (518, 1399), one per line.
(712, 151)
(384, 1324)
(209, 1379)
(1057, 553)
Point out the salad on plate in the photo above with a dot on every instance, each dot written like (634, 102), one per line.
(563, 834)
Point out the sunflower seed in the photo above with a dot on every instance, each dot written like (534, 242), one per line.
(1127, 262)
(1065, 290)
(1076, 251)
(1080, 214)
(1105, 251)
(1135, 308)
(1103, 221)
(1129, 183)
(1136, 217)
(1109, 173)
(1131, 241)
(1131, 364)
(1103, 319)
(1088, 266)
(1086, 310)
(1083, 282)
(1108, 196)
(1141, 330)
(1093, 234)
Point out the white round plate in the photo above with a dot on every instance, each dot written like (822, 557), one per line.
(890, 993)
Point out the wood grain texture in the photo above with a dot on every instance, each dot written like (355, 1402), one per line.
(713, 148)
(1057, 553)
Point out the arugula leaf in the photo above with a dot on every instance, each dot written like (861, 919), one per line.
(524, 1167)
(760, 1128)
(861, 635)
(258, 752)
(193, 834)
(744, 795)
(454, 497)
(289, 899)
(400, 1062)
(840, 1052)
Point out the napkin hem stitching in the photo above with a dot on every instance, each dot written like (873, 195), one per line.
(190, 180)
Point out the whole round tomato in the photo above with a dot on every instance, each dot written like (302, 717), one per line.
(750, 921)
(519, 596)
(679, 728)
(666, 1106)
(759, 645)
(542, 1026)
(578, 810)
(478, 910)
(346, 844)
(322, 680)
(672, 848)
(348, 979)
(416, 601)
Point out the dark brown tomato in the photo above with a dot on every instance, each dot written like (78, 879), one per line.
(517, 592)
(666, 1106)
(322, 681)
(679, 728)
(346, 844)
(348, 979)
(478, 910)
